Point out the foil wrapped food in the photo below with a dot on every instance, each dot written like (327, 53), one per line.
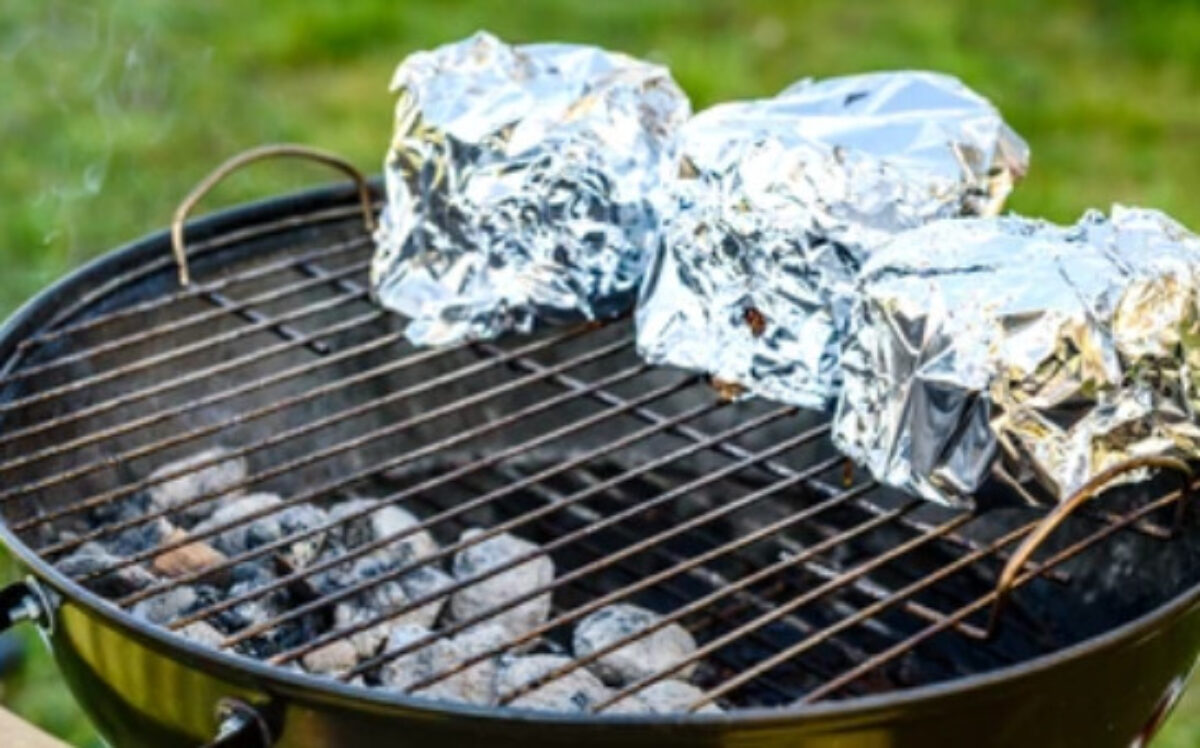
(523, 186)
(780, 201)
(1048, 353)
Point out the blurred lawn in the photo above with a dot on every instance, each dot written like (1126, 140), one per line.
(109, 113)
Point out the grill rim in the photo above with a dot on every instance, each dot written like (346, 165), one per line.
(150, 255)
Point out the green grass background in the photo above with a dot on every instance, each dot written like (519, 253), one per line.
(110, 112)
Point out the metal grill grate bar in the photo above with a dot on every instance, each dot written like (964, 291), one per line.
(795, 603)
(262, 270)
(225, 305)
(454, 547)
(700, 573)
(699, 604)
(224, 367)
(729, 449)
(738, 452)
(151, 419)
(318, 455)
(981, 603)
(897, 597)
(854, 578)
(198, 346)
(385, 541)
(305, 397)
(562, 541)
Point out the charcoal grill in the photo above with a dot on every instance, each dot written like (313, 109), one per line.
(829, 611)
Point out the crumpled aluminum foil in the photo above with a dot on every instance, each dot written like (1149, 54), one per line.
(523, 185)
(779, 202)
(1051, 353)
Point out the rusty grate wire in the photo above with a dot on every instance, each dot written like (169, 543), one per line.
(283, 360)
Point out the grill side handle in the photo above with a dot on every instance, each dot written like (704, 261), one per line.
(248, 157)
(1024, 552)
(240, 726)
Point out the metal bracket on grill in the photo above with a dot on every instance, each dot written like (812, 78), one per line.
(1059, 514)
(23, 601)
(240, 726)
(248, 157)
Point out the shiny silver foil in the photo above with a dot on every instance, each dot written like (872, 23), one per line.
(1049, 353)
(522, 186)
(779, 202)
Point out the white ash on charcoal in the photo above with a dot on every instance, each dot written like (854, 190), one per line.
(250, 534)
(234, 539)
(368, 641)
(365, 527)
(476, 684)
(576, 691)
(642, 657)
(286, 636)
(486, 594)
(400, 573)
(392, 594)
(250, 578)
(472, 685)
(333, 658)
(253, 611)
(246, 577)
(484, 637)
(217, 482)
(252, 573)
(664, 697)
(258, 608)
(388, 596)
(202, 633)
(91, 557)
(427, 581)
(392, 520)
(351, 533)
(168, 606)
(385, 522)
(140, 537)
(294, 520)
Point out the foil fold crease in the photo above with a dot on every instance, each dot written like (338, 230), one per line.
(780, 201)
(1047, 353)
(523, 186)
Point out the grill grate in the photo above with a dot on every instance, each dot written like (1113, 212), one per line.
(800, 579)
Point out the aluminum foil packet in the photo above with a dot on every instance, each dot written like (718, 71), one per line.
(523, 186)
(779, 202)
(1049, 353)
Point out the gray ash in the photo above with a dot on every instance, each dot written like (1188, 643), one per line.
(486, 594)
(576, 691)
(664, 697)
(665, 647)
(406, 593)
(92, 557)
(198, 488)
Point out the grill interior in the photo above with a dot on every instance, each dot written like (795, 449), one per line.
(801, 579)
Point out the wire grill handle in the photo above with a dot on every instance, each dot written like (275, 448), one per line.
(248, 157)
(1059, 514)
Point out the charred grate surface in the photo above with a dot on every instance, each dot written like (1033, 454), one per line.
(798, 579)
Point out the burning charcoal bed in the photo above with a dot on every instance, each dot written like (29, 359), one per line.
(249, 507)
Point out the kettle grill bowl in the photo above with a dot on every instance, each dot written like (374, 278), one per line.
(1125, 629)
